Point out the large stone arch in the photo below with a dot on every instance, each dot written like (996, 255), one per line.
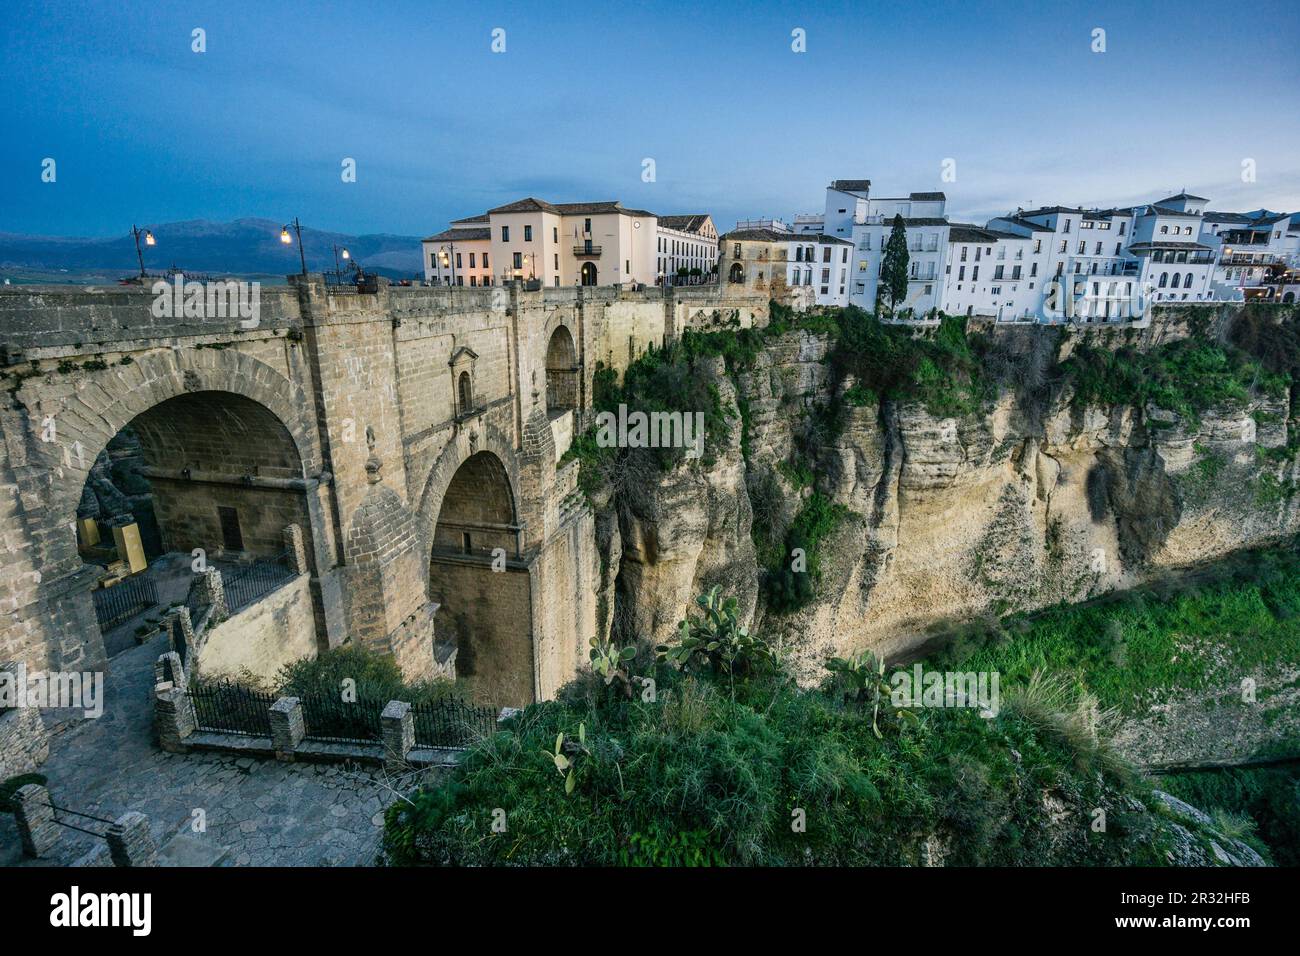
(70, 422)
(106, 401)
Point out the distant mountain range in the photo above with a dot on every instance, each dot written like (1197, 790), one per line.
(244, 247)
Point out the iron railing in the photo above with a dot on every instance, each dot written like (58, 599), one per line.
(333, 720)
(451, 723)
(226, 707)
(84, 816)
(124, 600)
(245, 585)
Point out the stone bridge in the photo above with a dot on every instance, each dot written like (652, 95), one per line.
(416, 434)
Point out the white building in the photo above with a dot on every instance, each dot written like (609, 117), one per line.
(926, 228)
(821, 262)
(991, 273)
(684, 244)
(817, 266)
(1053, 263)
(1251, 249)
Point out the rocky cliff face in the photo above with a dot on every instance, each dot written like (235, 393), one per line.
(1033, 500)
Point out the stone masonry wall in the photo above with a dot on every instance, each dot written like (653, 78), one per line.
(271, 632)
(288, 420)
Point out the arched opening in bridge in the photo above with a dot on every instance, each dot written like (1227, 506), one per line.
(588, 273)
(204, 479)
(737, 272)
(561, 373)
(481, 589)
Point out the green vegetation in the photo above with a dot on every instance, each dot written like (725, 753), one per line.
(791, 575)
(893, 265)
(1186, 377)
(938, 368)
(710, 767)
(375, 677)
(1144, 645)
(661, 380)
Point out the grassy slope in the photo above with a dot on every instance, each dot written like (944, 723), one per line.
(1148, 644)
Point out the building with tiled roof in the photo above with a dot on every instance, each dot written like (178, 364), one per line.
(686, 248)
(554, 244)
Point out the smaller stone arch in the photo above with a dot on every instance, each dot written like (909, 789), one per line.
(482, 436)
(561, 372)
(588, 273)
(737, 273)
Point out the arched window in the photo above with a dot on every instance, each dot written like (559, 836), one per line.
(1164, 279)
(1177, 280)
(1187, 282)
(465, 393)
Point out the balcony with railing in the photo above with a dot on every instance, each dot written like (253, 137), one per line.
(1248, 259)
(587, 251)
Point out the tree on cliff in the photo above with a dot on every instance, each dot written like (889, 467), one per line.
(893, 272)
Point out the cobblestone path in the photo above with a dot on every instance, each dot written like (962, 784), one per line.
(262, 812)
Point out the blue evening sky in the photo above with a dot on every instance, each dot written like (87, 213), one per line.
(145, 130)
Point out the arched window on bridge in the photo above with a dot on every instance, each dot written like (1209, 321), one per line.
(464, 394)
(561, 373)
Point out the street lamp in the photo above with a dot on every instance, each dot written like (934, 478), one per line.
(449, 260)
(148, 241)
(288, 240)
(340, 253)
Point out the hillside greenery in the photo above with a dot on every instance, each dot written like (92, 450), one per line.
(1140, 648)
(738, 766)
(1143, 645)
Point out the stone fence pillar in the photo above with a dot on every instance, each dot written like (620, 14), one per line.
(296, 550)
(287, 727)
(174, 718)
(181, 629)
(212, 591)
(398, 726)
(167, 669)
(130, 841)
(35, 818)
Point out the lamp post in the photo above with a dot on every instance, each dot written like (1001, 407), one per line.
(287, 240)
(449, 260)
(342, 253)
(148, 241)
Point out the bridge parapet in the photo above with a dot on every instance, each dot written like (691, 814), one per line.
(99, 318)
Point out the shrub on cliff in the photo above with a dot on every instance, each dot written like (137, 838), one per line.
(1186, 377)
(938, 369)
(790, 582)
